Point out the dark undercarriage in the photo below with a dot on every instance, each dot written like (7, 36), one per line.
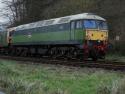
(53, 51)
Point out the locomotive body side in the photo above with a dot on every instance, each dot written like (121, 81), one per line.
(59, 34)
(82, 35)
(47, 35)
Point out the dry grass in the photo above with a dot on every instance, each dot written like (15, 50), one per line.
(18, 78)
(117, 87)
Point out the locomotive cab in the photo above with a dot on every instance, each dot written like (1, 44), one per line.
(96, 37)
(91, 32)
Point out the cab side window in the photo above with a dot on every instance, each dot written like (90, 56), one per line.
(72, 25)
(79, 25)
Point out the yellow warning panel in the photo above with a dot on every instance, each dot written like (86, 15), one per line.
(97, 35)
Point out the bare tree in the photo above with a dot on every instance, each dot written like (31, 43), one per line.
(14, 10)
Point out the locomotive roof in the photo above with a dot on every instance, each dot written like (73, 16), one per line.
(60, 20)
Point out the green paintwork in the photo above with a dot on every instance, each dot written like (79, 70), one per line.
(79, 34)
(49, 36)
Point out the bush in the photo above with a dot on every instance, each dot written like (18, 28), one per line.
(117, 48)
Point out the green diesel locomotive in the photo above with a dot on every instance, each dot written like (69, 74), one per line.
(82, 36)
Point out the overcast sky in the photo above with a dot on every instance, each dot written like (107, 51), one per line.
(2, 19)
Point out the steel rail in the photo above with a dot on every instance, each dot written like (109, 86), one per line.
(110, 65)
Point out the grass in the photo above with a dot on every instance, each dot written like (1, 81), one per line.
(16, 78)
(115, 57)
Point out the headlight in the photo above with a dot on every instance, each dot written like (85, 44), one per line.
(99, 41)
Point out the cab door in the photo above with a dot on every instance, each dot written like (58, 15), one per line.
(79, 30)
(72, 30)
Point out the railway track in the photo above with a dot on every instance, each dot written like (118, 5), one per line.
(110, 65)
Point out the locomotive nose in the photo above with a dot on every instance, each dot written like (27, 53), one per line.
(96, 35)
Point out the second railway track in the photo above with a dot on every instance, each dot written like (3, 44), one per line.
(110, 65)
